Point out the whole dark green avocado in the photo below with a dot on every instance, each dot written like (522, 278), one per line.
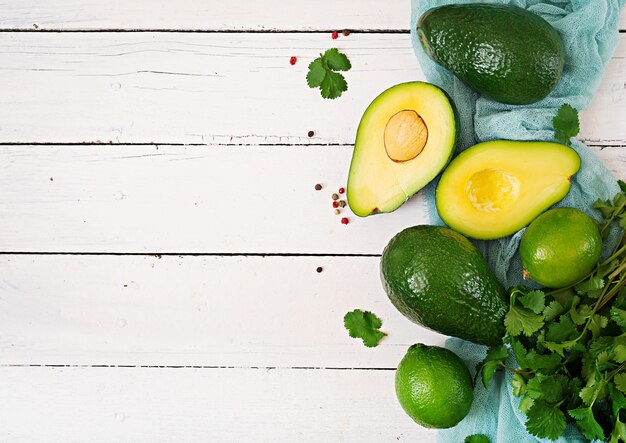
(503, 52)
(436, 278)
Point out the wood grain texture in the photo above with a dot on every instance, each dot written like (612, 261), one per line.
(61, 405)
(233, 88)
(207, 311)
(191, 199)
(208, 15)
(181, 199)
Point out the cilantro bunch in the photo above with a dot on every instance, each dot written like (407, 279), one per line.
(570, 347)
(323, 73)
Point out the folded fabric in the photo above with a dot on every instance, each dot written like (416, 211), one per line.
(590, 32)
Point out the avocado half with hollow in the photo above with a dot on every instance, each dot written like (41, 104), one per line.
(406, 137)
(495, 188)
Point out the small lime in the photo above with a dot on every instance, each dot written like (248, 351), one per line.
(434, 386)
(560, 247)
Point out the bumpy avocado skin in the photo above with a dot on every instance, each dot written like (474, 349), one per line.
(436, 278)
(504, 52)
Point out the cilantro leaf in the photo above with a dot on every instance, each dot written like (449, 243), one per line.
(586, 423)
(619, 317)
(619, 432)
(495, 357)
(592, 287)
(581, 314)
(552, 311)
(522, 321)
(551, 388)
(477, 438)
(336, 60)
(364, 325)
(333, 85)
(619, 353)
(620, 382)
(526, 403)
(487, 372)
(612, 210)
(594, 390)
(566, 124)
(534, 300)
(322, 73)
(540, 362)
(618, 399)
(597, 322)
(599, 345)
(561, 348)
(532, 360)
(545, 420)
(605, 208)
(562, 331)
(316, 73)
(519, 385)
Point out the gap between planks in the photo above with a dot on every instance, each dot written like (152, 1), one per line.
(266, 368)
(214, 31)
(192, 254)
(601, 144)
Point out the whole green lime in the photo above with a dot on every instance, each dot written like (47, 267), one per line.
(434, 386)
(560, 247)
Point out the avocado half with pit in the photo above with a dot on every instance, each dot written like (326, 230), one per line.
(496, 188)
(406, 137)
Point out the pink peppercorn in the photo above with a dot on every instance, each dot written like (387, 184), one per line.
(334, 35)
(293, 60)
(345, 221)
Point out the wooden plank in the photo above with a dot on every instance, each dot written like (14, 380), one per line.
(191, 199)
(232, 88)
(200, 405)
(207, 15)
(208, 311)
(211, 15)
(184, 199)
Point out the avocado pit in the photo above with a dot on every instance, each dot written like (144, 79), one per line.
(491, 190)
(405, 136)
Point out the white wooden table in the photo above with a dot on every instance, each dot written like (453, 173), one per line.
(159, 230)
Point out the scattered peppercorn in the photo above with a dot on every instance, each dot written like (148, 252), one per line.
(319, 269)
(345, 221)
(334, 35)
(311, 134)
(318, 187)
(334, 196)
(335, 204)
(293, 60)
(342, 203)
(342, 190)
(337, 212)
(345, 32)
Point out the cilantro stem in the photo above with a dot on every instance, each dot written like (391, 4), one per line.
(612, 292)
(614, 372)
(618, 271)
(516, 371)
(617, 210)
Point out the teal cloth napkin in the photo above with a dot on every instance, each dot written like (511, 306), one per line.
(590, 32)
